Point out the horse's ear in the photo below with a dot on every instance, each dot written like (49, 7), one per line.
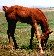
(50, 32)
(5, 8)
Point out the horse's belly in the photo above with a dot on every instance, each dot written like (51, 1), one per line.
(27, 20)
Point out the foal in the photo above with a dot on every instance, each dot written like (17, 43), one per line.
(32, 16)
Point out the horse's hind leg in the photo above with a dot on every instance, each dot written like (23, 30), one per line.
(32, 35)
(13, 26)
(11, 29)
(15, 44)
(8, 33)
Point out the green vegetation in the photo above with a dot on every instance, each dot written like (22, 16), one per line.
(22, 35)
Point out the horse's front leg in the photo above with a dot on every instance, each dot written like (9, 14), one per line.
(32, 35)
(38, 35)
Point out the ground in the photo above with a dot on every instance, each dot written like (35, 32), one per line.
(22, 35)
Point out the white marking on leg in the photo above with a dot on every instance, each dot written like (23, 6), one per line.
(38, 37)
(41, 50)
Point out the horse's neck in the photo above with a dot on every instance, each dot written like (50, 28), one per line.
(44, 26)
(46, 29)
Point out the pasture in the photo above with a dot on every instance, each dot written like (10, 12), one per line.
(22, 35)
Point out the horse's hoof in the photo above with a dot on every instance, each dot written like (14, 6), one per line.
(42, 52)
(41, 55)
(31, 47)
(9, 46)
(16, 47)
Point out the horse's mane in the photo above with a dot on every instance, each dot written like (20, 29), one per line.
(43, 14)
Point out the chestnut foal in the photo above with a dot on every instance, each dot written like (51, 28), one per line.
(32, 16)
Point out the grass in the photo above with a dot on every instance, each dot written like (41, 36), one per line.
(51, 23)
(22, 35)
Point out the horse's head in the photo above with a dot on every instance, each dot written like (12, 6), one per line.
(44, 37)
(5, 8)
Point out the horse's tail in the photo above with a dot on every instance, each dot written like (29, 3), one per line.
(5, 8)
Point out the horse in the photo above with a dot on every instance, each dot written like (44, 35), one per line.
(32, 16)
